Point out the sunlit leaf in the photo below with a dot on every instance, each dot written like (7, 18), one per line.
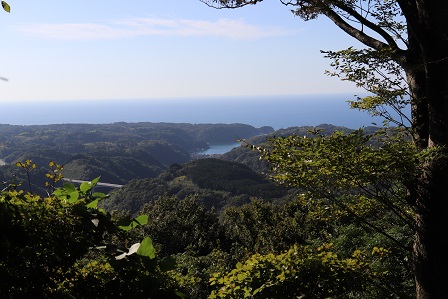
(147, 249)
(95, 181)
(142, 219)
(99, 195)
(93, 204)
(73, 197)
(6, 6)
(84, 187)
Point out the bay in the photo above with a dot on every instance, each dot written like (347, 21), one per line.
(219, 149)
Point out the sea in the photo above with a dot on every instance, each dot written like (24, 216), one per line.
(275, 111)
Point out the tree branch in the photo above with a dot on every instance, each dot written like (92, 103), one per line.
(352, 31)
(220, 4)
(368, 24)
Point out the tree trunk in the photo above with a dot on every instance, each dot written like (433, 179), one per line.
(431, 192)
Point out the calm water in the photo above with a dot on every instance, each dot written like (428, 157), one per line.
(218, 149)
(276, 111)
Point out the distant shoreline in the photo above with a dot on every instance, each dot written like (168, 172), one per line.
(279, 112)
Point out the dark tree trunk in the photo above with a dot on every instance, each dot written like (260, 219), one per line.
(431, 189)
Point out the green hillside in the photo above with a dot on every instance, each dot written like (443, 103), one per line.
(216, 182)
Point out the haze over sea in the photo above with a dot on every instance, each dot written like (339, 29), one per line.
(276, 111)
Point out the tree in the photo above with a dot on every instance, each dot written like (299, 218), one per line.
(405, 62)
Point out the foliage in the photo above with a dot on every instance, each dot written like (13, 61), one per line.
(64, 246)
(299, 272)
(328, 167)
(42, 238)
(259, 227)
(192, 272)
(270, 229)
(225, 183)
(179, 225)
(378, 74)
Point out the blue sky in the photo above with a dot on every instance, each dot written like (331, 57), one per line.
(91, 50)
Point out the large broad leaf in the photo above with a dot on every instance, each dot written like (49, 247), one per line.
(85, 186)
(6, 6)
(147, 249)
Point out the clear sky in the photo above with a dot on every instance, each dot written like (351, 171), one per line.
(83, 50)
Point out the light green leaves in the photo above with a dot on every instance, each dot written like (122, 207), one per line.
(146, 248)
(6, 6)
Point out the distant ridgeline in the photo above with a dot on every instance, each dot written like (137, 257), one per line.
(122, 152)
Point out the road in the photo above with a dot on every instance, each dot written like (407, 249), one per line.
(98, 184)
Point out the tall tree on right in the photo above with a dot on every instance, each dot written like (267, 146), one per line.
(405, 62)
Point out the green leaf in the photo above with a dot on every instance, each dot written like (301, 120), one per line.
(84, 187)
(146, 248)
(180, 295)
(59, 192)
(6, 6)
(126, 227)
(73, 197)
(142, 219)
(95, 181)
(69, 187)
(93, 204)
(99, 195)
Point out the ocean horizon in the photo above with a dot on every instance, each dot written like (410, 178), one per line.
(275, 111)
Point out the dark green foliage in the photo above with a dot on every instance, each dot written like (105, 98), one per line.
(41, 240)
(215, 182)
(180, 225)
(246, 156)
(114, 170)
(119, 152)
(324, 250)
(63, 246)
(231, 177)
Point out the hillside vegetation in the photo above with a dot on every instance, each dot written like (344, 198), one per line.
(118, 152)
(205, 228)
(216, 183)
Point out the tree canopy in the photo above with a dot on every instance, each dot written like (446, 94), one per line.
(404, 62)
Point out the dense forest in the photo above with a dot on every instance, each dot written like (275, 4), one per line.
(117, 152)
(214, 227)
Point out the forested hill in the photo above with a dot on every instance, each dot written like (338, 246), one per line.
(117, 152)
(215, 182)
(121, 152)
